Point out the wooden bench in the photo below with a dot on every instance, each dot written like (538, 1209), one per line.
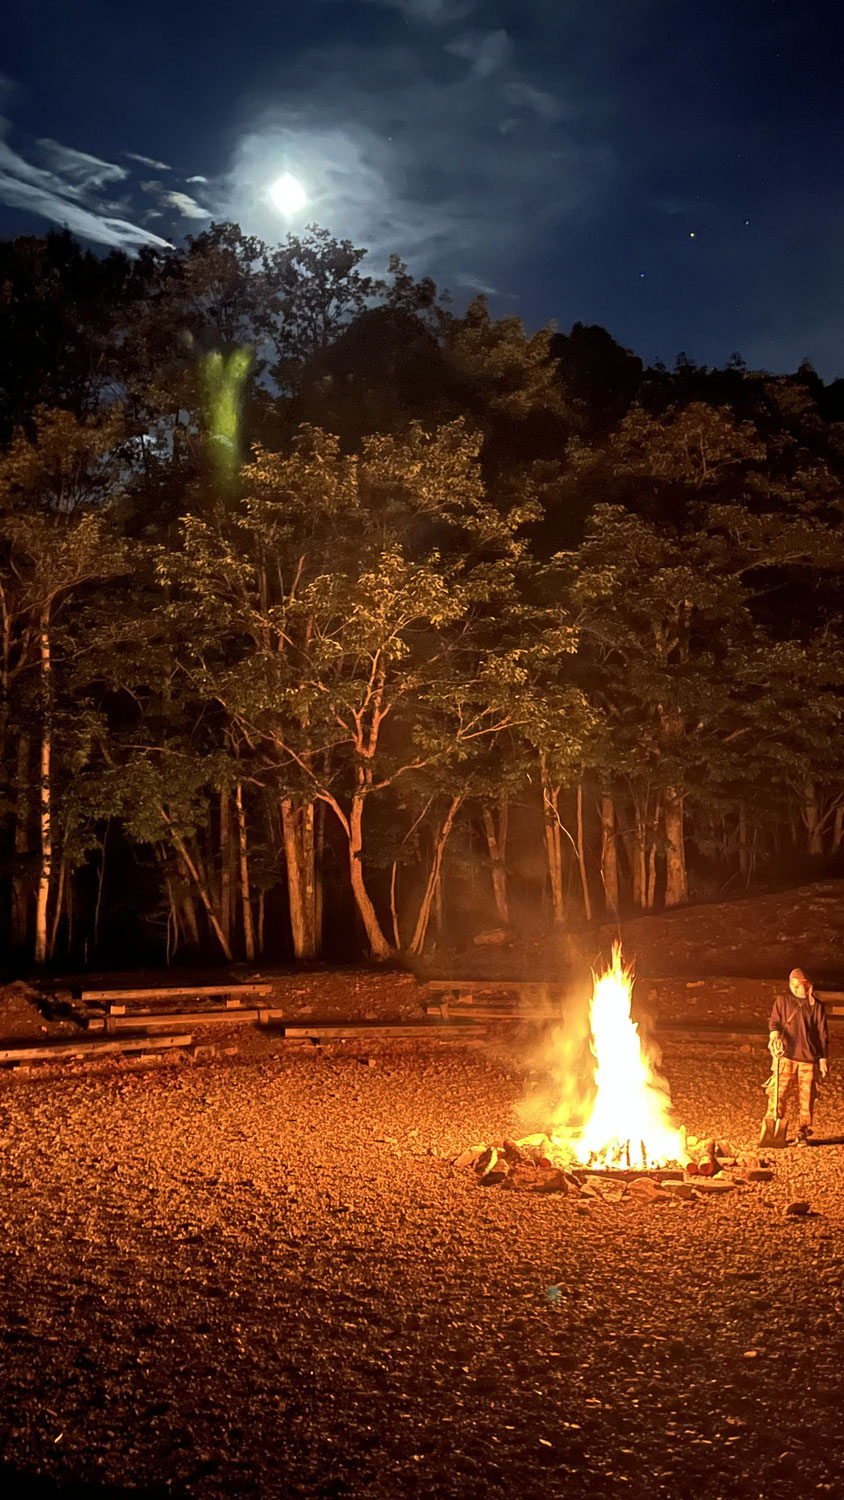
(471, 986)
(525, 998)
(338, 1030)
(116, 1000)
(85, 1048)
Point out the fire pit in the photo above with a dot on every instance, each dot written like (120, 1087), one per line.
(629, 1137)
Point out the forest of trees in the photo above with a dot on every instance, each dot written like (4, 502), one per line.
(335, 623)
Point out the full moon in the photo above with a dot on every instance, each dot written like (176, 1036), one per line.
(288, 195)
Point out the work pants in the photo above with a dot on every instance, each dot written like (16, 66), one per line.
(803, 1077)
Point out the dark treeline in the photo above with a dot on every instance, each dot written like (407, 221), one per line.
(334, 622)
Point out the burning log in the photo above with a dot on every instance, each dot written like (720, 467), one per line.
(492, 1168)
(519, 1166)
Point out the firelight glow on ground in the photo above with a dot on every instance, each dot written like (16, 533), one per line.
(630, 1124)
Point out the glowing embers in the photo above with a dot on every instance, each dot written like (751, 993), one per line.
(630, 1126)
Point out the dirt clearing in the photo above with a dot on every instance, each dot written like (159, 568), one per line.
(264, 1278)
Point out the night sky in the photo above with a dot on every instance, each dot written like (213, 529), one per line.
(671, 169)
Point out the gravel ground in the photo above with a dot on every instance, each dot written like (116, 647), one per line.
(263, 1278)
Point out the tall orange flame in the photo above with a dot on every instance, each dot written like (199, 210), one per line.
(630, 1124)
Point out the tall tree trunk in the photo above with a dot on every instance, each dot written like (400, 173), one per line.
(650, 895)
(725, 841)
(581, 854)
(297, 826)
(676, 879)
(100, 883)
(417, 942)
(640, 853)
(553, 845)
(204, 894)
(375, 937)
(181, 896)
(243, 874)
(173, 926)
(609, 854)
(812, 819)
(656, 828)
(293, 862)
(496, 838)
(190, 921)
(226, 903)
(394, 911)
(21, 886)
(57, 914)
(45, 792)
(319, 879)
(306, 819)
(743, 847)
(439, 918)
(838, 829)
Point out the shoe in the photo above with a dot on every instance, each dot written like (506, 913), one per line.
(803, 1134)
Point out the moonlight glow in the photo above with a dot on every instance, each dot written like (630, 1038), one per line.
(288, 195)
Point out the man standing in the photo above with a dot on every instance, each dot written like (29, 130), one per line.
(799, 1046)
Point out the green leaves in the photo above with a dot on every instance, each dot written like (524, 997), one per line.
(201, 591)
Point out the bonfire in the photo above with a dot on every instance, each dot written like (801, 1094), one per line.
(627, 1131)
(630, 1126)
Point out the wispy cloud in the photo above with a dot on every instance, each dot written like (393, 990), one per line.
(434, 12)
(486, 54)
(67, 190)
(451, 151)
(472, 284)
(147, 161)
(120, 234)
(541, 102)
(78, 171)
(187, 206)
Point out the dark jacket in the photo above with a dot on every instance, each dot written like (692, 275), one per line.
(803, 1026)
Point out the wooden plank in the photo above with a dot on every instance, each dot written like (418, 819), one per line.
(171, 991)
(714, 1028)
(460, 1008)
(146, 1010)
(327, 1030)
(698, 1038)
(49, 1051)
(147, 1023)
(457, 986)
(270, 1016)
(491, 1013)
